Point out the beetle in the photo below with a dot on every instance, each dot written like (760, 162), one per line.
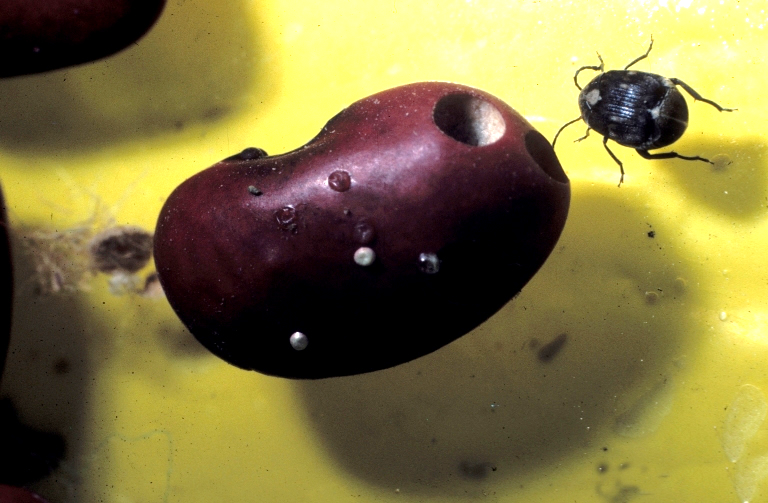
(635, 109)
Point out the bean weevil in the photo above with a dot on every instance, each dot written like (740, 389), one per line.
(636, 109)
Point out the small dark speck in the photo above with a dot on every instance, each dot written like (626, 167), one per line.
(602, 468)
(213, 113)
(551, 349)
(254, 190)
(61, 366)
(476, 471)
(651, 234)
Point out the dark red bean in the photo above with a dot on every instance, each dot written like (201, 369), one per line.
(41, 35)
(451, 202)
(10, 494)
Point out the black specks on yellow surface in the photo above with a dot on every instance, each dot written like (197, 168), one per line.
(179, 343)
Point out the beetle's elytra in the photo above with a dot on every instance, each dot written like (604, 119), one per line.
(640, 110)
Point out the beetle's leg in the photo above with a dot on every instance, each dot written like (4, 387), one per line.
(596, 68)
(670, 155)
(563, 127)
(640, 58)
(698, 97)
(621, 166)
(583, 137)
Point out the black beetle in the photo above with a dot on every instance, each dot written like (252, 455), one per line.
(635, 109)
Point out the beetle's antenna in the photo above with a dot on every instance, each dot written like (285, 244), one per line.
(595, 68)
(641, 57)
(563, 127)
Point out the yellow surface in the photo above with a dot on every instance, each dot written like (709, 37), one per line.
(658, 389)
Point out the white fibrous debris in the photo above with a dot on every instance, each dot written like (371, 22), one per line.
(68, 260)
(121, 283)
(59, 259)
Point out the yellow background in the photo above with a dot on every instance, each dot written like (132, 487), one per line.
(648, 399)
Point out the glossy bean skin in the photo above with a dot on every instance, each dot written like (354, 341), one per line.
(458, 199)
(9, 494)
(42, 35)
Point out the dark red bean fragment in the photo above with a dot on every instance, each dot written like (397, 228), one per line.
(10, 494)
(28, 454)
(42, 35)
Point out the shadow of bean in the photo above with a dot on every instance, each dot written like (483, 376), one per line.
(48, 375)
(488, 408)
